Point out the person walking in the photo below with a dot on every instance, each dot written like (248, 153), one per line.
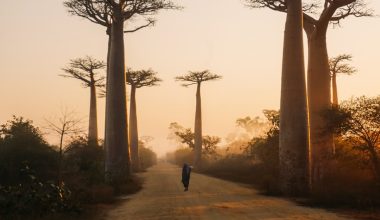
(186, 170)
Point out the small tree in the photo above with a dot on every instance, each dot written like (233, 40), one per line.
(338, 65)
(186, 136)
(358, 121)
(196, 78)
(137, 79)
(65, 124)
(85, 70)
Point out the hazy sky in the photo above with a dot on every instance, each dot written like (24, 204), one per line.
(38, 38)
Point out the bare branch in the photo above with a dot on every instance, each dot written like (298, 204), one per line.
(151, 22)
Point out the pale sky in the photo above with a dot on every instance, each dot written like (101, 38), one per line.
(38, 38)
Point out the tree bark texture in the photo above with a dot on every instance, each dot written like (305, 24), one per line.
(319, 100)
(133, 131)
(117, 163)
(294, 140)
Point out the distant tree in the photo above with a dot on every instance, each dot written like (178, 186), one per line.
(85, 70)
(338, 65)
(358, 122)
(318, 80)
(253, 126)
(147, 157)
(65, 124)
(196, 78)
(112, 14)
(137, 79)
(186, 136)
(210, 144)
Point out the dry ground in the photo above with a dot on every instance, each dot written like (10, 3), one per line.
(162, 197)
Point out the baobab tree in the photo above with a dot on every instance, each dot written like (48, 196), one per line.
(85, 70)
(112, 14)
(293, 149)
(338, 65)
(137, 79)
(316, 20)
(196, 78)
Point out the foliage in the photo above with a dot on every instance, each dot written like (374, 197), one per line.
(186, 136)
(348, 180)
(265, 149)
(338, 66)
(85, 70)
(142, 78)
(358, 122)
(197, 77)
(85, 161)
(22, 143)
(251, 125)
(34, 197)
(147, 157)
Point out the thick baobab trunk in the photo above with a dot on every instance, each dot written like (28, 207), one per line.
(93, 118)
(198, 129)
(319, 94)
(294, 142)
(117, 162)
(334, 90)
(133, 132)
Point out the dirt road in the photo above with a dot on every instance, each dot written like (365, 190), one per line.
(208, 198)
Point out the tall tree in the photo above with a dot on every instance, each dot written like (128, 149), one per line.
(196, 78)
(293, 149)
(85, 70)
(112, 14)
(338, 65)
(137, 79)
(318, 80)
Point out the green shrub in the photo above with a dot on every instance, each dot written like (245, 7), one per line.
(35, 198)
(22, 143)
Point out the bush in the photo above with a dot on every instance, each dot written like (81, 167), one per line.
(147, 157)
(20, 143)
(35, 197)
(348, 181)
(84, 161)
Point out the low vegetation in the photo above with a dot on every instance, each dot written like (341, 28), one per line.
(29, 183)
(351, 176)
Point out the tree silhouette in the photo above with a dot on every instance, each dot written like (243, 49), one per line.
(137, 79)
(112, 14)
(338, 65)
(85, 69)
(186, 136)
(196, 78)
(318, 80)
(66, 124)
(357, 121)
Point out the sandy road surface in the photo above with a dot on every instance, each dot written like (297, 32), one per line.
(208, 198)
